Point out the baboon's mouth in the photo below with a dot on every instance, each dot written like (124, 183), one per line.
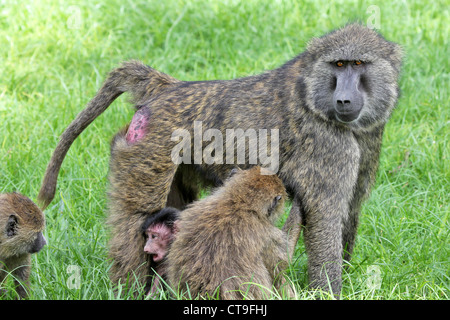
(347, 117)
(156, 257)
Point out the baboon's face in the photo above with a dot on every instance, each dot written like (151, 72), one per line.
(158, 239)
(17, 238)
(355, 92)
(353, 77)
(349, 92)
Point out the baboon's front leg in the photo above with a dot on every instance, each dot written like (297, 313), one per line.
(293, 225)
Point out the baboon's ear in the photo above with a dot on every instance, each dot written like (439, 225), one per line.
(11, 226)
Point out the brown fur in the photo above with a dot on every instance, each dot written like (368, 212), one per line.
(229, 240)
(127, 212)
(328, 165)
(24, 238)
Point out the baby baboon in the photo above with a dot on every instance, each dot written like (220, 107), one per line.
(159, 230)
(330, 105)
(21, 223)
(227, 245)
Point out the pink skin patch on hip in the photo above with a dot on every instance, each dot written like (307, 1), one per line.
(138, 126)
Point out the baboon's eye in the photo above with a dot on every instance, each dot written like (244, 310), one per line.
(358, 62)
(339, 63)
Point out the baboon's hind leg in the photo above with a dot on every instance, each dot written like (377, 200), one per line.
(140, 178)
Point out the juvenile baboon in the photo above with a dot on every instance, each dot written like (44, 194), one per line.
(159, 231)
(227, 245)
(21, 223)
(330, 105)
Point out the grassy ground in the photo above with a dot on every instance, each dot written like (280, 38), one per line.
(54, 56)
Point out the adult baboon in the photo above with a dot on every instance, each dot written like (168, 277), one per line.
(330, 105)
(21, 226)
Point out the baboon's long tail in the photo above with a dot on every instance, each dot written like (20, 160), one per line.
(134, 77)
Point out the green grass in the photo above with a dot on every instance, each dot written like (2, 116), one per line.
(54, 57)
